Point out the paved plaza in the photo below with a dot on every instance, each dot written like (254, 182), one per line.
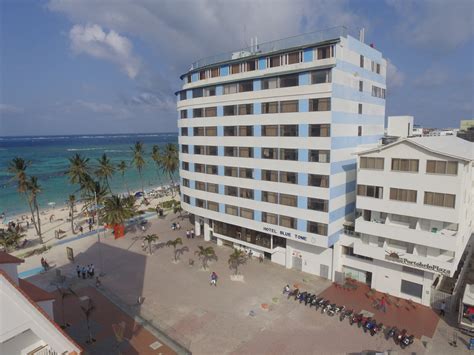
(249, 317)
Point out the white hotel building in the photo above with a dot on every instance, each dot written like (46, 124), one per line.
(267, 137)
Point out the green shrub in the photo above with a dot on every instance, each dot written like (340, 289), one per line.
(168, 204)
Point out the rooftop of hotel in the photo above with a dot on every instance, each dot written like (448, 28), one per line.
(299, 41)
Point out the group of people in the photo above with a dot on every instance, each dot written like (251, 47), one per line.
(175, 226)
(85, 271)
(190, 234)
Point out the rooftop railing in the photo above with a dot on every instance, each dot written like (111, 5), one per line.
(274, 46)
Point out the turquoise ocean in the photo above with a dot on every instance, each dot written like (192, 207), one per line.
(49, 162)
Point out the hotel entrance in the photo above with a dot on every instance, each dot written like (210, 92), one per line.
(358, 275)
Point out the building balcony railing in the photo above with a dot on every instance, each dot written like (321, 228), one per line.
(274, 46)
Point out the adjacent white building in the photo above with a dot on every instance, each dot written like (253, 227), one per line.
(26, 316)
(414, 215)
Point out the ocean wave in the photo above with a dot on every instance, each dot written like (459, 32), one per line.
(84, 149)
(114, 151)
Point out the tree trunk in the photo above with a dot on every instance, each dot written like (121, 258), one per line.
(33, 215)
(39, 221)
(72, 219)
(149, 247)
(141, 180)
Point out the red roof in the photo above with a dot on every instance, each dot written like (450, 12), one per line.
(36, 294)
(6, 258)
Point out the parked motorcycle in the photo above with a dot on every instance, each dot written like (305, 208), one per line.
(391, 333)
(293, 293)
(335, 310)
(406, 341)
(309, 298)
(314, 301)
(363, 321)
(399, 336)
(376, 328)
(369, 325)
(324, 306)
(302, 296)
(346, 313)
(319, 303)
(356, 318)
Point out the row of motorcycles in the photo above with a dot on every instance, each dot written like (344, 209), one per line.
(368, 324)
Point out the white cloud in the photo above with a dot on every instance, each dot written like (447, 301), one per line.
(395, 77)
(5, 108)
(93, 40)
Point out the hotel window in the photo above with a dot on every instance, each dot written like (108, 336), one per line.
(378, 92)
(246, 152)
(215, 72)
(439, 199)
(270, 175)
(189, 78)
(198, 131)
(271, 197)
(288, 154)
(245, 86)
(230, 89)
(246, 193)
(361, 61)
(231, 191)
(410, 165)
(235, 68)
(230, 151)
(324, 52)
(246, 213)
(270, 153)
(317, 204)
(213, 206)
(246, 131)
(210, 111)
(246, 109)
(230, 110)
(371, 163)
(270, 131)
(184, 131)
(370, 191)
(402, 195)
(359, 131)
(211, 169)
(318, 180)
(186, 199)
(185, 182)
(360, 109)
(288, 177)
(294, 57)
(317, 228)
(199, 168)
(202, 75)
(184, 113)
(274, 61)
(319, 130)
(319, 156)
(197, 93)
(361, 86)
(289, 106)
(250, 65)
(270, 107)
(211, 131)
(289, 80)
(185, 165)
(289, 130)
(441, 167)
(269, 218)
(232, 210)
(211, 150)
(200, 185)
(200, 203)
(323, 104)
(209, 91)
(184, 149)
(288, 200)
(288, 222)
(182, 95)
(230, 131)
(230, 171)
(199, 149)
(378, 68)
(214, 188)
(269, 83)
(197, 112)
(321, 76)
(246, 173)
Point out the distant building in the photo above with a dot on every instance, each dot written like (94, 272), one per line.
(466, 130)
(400, 126)
(418, 131)
(26, 316)
(443, 132)
(466, 124)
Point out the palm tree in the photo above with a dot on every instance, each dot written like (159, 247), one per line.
(116, 211)
(170, 161)
(237, 258)
(64, 293)
(10, 239)
(17, 167)
(105, 170)
(150, 238)
(174, 244)
(122, 168)
(71, 202)
(34, 190)
(93, 191)
(205, 254)
(138, 159)
(79, 170)
(88, 310)
(156, 157)
(178, 209)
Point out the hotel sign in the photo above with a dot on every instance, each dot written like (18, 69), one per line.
(285, 234)
(418, 264)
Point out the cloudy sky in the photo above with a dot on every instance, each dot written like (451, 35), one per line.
(70, 66)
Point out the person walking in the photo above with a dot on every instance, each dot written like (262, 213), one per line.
(213, 279)
(83, 272)
(188, 234)
(442, 309)
(92, 270)
(383, 305)
(78, 270)
(192, 233)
